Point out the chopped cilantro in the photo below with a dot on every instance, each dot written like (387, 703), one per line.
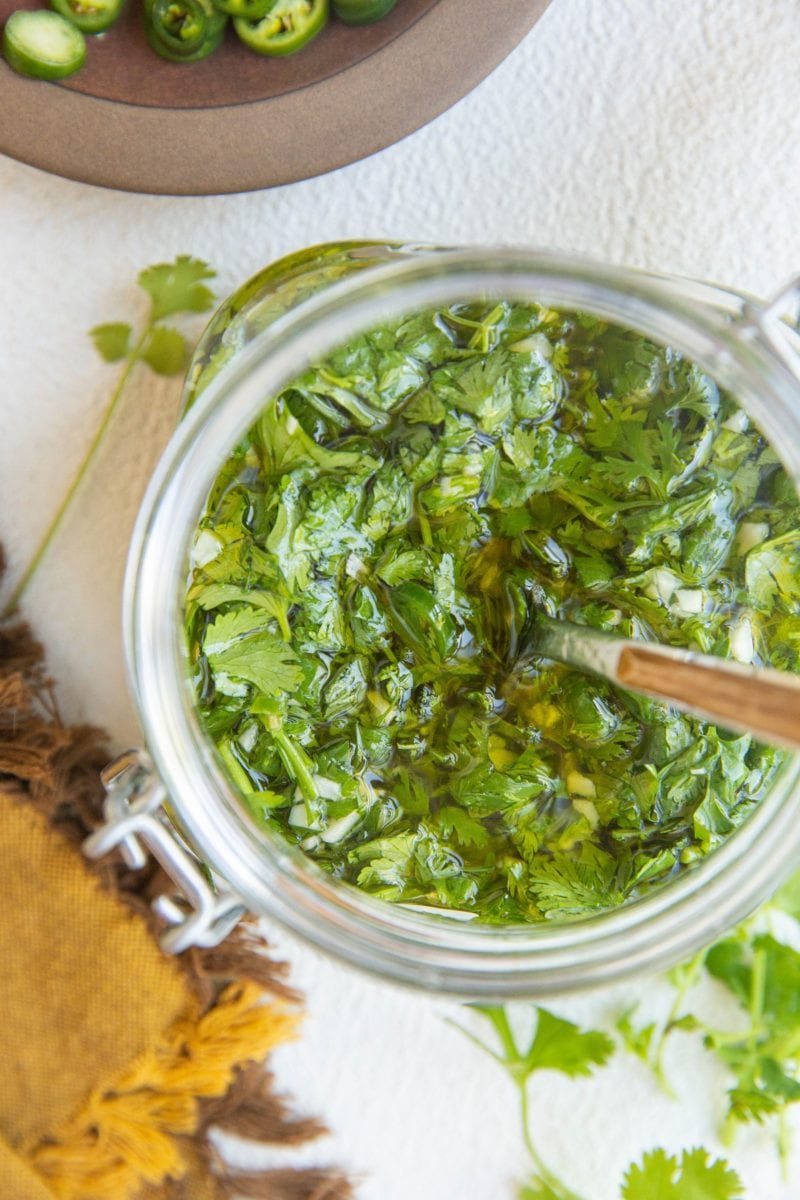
(369, 561)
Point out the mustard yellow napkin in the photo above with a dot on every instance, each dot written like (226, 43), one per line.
(115, 1060)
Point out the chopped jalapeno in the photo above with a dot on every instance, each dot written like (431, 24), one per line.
(362, 12)
(250, 10)
(43, 44)
(288, 26)
(179, 30)
(90, 16)
(184, 30)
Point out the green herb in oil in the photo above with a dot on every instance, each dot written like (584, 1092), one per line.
(367, 563)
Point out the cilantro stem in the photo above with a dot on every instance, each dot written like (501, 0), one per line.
(499, 1018)
(424, 528)
(784, 1144)
(30, 571)
(583, 508)
(283, 622)
(689, 975)
(297, 764)
(476, 1041)
(547, 1177)
(234, 767)
(757, 984)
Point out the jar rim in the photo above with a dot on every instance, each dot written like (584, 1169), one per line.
(428, 950)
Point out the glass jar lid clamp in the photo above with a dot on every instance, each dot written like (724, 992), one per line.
(199, 915)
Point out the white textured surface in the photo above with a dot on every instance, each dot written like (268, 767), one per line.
(664, 133)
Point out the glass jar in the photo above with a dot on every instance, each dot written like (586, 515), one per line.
(266, 334)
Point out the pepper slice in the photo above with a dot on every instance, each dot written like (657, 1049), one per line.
(43, 44)
(183, 30)
(90, 16)
(362, 12)
(250, 10)
(288, 26)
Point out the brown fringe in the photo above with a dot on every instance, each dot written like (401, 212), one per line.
(252, 1110)
(285, 1184)
(56, 768)
(243, 955)
(282, 1183)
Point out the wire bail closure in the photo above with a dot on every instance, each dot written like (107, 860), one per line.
(197, 914)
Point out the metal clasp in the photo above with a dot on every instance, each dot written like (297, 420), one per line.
(197, 915)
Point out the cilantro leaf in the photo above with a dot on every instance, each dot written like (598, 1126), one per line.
(229, 626)
(389, 863)
(478, 387)
(626, 363)
(692, 1177)
(778, 1082)
(558, 1045)
(404, 565)
(751, 1104)
(704, 1180)
(573, 883)
(653, 1180)
(259, 658)
(485, 790)
(637, 1039)
(282, 441)
(165, 351)
(112, 341)
(763, 974)
(346, 688)
(772, 571)
(733, 963)
(177, 287)
(212, 595)
(727, 962)
(466, 829)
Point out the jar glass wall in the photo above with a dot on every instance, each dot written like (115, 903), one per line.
(288, 317)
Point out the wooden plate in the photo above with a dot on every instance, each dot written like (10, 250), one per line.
(237, 121)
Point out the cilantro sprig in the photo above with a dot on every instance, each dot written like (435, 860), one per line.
(555, 1045)
(559, 1045)
(760, 972)
(758, 967)
(173, 289)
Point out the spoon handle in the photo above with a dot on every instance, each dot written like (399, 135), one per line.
(746, 699)
(753, 700)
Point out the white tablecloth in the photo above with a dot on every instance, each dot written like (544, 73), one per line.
(663, 133)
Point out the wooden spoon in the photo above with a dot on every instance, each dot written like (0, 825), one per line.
(755, 700)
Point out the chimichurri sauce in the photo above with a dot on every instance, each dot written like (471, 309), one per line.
(366, 568)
